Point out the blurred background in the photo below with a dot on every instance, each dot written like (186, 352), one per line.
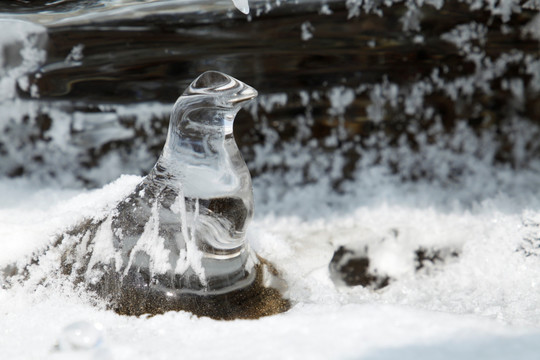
(434, 91)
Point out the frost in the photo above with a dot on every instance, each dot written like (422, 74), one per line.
(414, 101)
(411, 19)
(72, 133)
(531, 237)
(304, 97)
(355, 7)
(503, 8)
(103, 251)
(532, 4)
(151, 245)
(325, 10)
(379, 95)
(418, 39)
(533, 28)
(76, 54)
(533, 69)
(268, 102)
(469, 39)
(307, 31)
(190, 255)
(516, 87)
(340, 98)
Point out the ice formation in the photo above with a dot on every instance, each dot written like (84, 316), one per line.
(180, 234)
(242, 5)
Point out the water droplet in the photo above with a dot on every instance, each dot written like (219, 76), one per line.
(80, 335)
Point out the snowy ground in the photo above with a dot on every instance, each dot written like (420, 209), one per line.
(484, 304)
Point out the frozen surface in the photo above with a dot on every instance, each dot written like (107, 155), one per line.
(482, 304)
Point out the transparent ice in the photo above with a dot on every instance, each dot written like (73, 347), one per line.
(242, 5)
(80, 335)
(183, 228)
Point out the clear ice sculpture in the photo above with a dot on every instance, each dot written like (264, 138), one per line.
(178, 241)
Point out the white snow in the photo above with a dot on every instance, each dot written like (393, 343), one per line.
(482, 304)
(152, 244)
(21, 52)
(76, 53)
(533, 28)
(307, 31)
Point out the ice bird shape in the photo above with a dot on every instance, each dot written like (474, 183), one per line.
(178, 241)
(185, 223)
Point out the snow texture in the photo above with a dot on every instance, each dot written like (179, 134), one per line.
(484, 299)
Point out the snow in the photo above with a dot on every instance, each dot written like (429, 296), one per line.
(307, 31)
(76, 54)
(533, 28)
(318, 332)
(152, 244)
(500, 8)
(482, 304)
(22, 51)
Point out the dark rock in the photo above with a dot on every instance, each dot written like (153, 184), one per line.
(429, 257)
(352, 268)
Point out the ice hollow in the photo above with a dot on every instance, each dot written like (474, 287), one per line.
(178, 241)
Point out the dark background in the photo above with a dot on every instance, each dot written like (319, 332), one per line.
(385, 57)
